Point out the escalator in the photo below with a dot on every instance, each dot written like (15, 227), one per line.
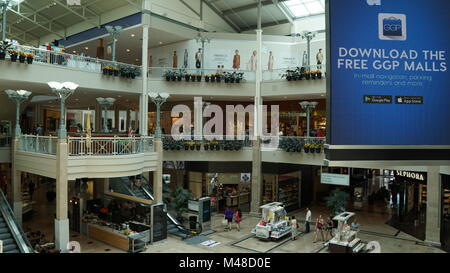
(12, 236)
(123, 185)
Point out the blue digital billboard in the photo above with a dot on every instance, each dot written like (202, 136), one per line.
(389, 80)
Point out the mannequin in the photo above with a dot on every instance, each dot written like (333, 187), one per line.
(175, 60)
(271, 61)
(186, 57)
(198, 58)
(319, 59)
(237, 60)
(305, 59)
(100, 50)
(253, 63)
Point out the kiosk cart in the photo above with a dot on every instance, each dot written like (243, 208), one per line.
(345, 240)
(273, 224)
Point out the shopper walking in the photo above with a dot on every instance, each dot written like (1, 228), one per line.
(307, 219)
(294, 228)
(229, 217)
(319, 228)
(238, 219)
(329, 229)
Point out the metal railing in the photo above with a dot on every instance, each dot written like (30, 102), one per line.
(107, 146)
(38, 144)
(5, 141)
(282, 73)
(159, 73)
(205, 142)
(62, 59)
(299, 144)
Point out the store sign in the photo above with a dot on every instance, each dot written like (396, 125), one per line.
(396, 50)
(335, 179)
(411, 175)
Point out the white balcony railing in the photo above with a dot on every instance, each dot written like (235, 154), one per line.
(83, 63)
(5, 141)
(38, 144)
(109, 146)
(282, 73)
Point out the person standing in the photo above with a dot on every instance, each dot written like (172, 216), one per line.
(319, 58)
(319, 228)
(238, 219)
(229, 217)
(330, 225)
(294, 228)
(307, 220)
(39, 130)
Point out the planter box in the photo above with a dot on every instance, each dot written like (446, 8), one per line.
(2, 56)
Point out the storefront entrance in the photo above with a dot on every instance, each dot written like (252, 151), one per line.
(445, 228)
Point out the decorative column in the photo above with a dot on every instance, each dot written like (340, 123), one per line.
(434, 206)
(114, 32)
(143, 100)
(159, 100)
(63, 91)
(257, 126)
(308, 107)
(19, 96)
(105, 104)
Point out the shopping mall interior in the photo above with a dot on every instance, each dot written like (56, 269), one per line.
(214, 126)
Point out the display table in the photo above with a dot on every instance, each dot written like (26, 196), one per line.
(108, 235)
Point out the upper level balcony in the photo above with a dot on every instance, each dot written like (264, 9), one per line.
(5, 148)
(37, 66)
(94, 157)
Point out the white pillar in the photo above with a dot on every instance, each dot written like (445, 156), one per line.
(198, 117)
(143, 110)
(434, 206)
(61, 221)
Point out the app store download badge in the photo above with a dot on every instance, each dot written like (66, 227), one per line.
(392, 26)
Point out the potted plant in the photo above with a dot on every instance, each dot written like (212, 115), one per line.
(288, 75)
(4, 45)
(193, 77)
(187, 77)
(22, 57)
(206, 146)
(238, 77)
(30, 58)
(337, 201)
(13, 55)
(319, 74)
(116, 71)
(207, 77)
(199, 78)
(218, 78)
(318, 148)
(186, 146)
(198, 145)
(167, 74)
(307, 75)
(179, 201)
(307, 147)
(313, 75)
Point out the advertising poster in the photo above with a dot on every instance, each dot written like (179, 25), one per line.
(335, 179)
(389, 73)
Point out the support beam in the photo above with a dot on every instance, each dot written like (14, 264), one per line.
(62, 202)
(266, 25)
(434, 206)
(190, 8)
(81, 15)
(35, 22)
(249, 7)
(283, 10)
(223, 16)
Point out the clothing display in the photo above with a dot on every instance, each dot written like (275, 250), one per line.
(175, 60)
(271, 61)
(319, 58)
(186, 58)
(198, 59)
(252, 64)
(237, 61)
(305, 59)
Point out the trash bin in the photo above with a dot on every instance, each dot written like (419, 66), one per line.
(192, 222)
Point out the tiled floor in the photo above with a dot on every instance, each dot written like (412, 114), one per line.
(373, 228)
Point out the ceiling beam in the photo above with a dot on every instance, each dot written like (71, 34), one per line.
(267, 25)
(283, 10)
(35, 22)
(190, 8)
(223, 16)
(81, 15)
(249, 6)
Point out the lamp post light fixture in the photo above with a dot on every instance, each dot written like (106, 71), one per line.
(18, 96)
(114, 31)
(308, 106)
(159, 99)
(63, 91)
(5, 4)
(308, 35)
(201, 39)
(105, 103)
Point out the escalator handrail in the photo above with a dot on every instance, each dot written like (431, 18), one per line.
(171, 218)
(22, 241)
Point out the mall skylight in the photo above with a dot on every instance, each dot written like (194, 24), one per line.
(303, 8)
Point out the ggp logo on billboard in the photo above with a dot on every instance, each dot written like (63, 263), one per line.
(392, 26)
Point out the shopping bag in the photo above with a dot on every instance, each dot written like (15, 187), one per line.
(392, 27)
(224, 222)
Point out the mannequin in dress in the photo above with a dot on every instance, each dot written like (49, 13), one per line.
(253, 63)
(271, 61)
(175, 60)
(198, 58)
(186, 57)
(237, 60)
(305, 59)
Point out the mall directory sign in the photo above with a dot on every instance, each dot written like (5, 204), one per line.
(389, 80)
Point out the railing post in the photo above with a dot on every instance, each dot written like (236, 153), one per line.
(114, 145)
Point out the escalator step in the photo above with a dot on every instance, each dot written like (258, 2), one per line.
(8, 241)
(13, 251)
(3, 230)
(5, 236)
(7, 248)
(2, 224)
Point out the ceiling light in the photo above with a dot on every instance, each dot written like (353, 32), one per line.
(160, 43)
(87, 48)
(128, 50)
(132, 35)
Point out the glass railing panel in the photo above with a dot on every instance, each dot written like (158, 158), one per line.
(5, 141)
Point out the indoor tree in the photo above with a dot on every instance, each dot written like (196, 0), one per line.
(337, 201)
(179, 201)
